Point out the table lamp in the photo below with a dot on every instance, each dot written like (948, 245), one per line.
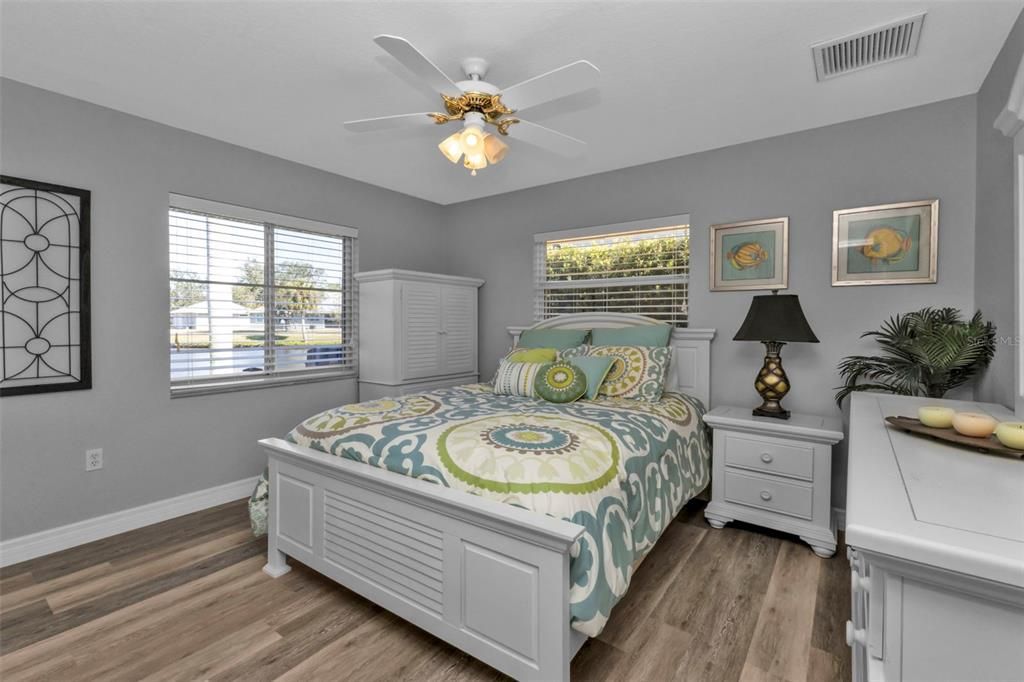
(774, 321)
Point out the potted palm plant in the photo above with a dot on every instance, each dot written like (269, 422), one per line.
(926, 353)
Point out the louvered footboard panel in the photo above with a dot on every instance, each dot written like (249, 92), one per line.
(399, 554)
(495, 588)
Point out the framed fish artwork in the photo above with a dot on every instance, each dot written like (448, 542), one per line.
(753, 254)
(886, 244)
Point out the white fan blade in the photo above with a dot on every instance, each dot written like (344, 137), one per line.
(369, 125)
(546, 138)
(402, 50)
(569, 79)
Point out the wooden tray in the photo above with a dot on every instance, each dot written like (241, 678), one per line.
(989, 445)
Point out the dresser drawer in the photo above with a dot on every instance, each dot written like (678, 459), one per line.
(770, 455)
(768, 493)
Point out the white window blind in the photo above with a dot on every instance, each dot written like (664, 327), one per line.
(640, 267)
(257, 298)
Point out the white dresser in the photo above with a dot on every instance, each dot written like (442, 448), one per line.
(936, 548)
(417, 331)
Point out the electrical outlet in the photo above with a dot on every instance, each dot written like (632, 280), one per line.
(93, 459)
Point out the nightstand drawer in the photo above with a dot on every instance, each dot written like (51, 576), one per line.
(768, 493)
(769, 455)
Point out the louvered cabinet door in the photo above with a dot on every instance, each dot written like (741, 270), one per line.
(421, 330)
(458, 307)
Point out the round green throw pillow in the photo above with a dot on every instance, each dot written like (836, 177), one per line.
(561, 382)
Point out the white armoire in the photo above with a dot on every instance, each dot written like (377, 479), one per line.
(417, 331)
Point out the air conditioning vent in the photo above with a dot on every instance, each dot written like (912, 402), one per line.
(875, 46)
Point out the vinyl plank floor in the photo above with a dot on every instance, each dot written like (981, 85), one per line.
(186, 600)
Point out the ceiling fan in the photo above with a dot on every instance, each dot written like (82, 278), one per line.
(479, 104)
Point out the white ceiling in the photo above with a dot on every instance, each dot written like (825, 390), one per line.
(677, 77)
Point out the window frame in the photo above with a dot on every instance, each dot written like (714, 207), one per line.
(540, 257)
(271, 220)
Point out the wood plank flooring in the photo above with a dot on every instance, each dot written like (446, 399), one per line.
(186, 600)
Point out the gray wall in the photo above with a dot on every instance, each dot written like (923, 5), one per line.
(156, 447)
(993, 280)
(921, 153)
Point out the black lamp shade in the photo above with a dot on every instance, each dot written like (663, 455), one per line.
(775, 318)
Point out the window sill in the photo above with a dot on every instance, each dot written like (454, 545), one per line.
(254, 384)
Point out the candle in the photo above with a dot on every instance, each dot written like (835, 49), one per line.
(1011, 434)
(974, 424)
(936, 416)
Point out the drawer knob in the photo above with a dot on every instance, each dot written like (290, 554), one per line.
(855, 635)
(766, 458)
(765, 495)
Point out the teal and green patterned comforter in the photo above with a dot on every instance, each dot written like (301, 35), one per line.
(620, 468)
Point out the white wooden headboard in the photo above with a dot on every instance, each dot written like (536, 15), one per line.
(690, 371)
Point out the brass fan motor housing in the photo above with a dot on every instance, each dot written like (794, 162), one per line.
(490, 106)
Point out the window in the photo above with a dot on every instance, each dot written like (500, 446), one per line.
(641, 267)
(257, 298)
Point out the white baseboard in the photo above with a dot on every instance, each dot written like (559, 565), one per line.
(27, 547)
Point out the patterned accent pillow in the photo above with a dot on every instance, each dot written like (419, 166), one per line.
(516, 378)
(561, 382)
(574, 352)
(638, 372)
(535, 355)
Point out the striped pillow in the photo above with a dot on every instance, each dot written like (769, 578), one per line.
(516, 378)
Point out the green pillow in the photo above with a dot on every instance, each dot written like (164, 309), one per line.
(595, 369)
(552, 338)
(560, 382)
(541, 355)
(656, 335)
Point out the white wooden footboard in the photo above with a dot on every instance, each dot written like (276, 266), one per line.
(486, 577)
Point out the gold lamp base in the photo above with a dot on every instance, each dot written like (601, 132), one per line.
(771, 383)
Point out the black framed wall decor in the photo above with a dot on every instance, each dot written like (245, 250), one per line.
(44, 287)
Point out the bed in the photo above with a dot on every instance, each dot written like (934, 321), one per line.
(447, 508)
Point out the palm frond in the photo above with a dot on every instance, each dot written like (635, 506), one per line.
(926, 352)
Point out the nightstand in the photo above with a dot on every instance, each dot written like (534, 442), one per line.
(775, 473)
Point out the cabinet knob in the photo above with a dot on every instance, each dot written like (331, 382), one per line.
(765, 495)
(766, 458)
(855, 635)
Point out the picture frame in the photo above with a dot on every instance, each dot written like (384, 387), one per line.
(886, 244)
(45, 329)
(750, 255)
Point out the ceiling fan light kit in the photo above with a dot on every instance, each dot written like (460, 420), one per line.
(479, 147)
(479, 104)
(494, 148)
(472, 136)
(451, 147)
